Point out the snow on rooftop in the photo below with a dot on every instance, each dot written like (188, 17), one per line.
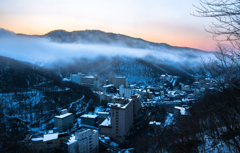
(127, 104)
(182, 110)
(154, 122)
(114, 144)
(37, 139)
(116, 104)
(71, 140)
(89, 116)
(88, 76)
(103, 113)
(123, 106)
(169, 119)
(109, 85)
(106, 122)
(50, 131)
(48, 137)
(63, 115)
(106, 138)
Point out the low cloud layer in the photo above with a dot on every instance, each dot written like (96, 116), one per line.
(33, 49)
(40, 50)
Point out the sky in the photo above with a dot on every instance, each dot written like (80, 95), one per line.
(160, 21)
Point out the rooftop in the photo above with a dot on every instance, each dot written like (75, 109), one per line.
(182, 110)
(103, 113)
(63, 115)
(71, 140)
(43, 138)
(48, 137)
(88, 77)
(154, 123)
(121, 77)
(109, 85)
(89, 116)
(106, 122)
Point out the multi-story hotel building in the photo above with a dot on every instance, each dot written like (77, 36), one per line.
(118, 126)
(64, 121)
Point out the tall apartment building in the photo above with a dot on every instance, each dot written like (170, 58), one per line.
(84, 141)
(136, 103)
(64, 121)
(118, 126)
(117, 81)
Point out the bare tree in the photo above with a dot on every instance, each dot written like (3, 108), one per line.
(227, 15)
(221, 119)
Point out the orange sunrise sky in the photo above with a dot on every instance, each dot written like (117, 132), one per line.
(153, 20)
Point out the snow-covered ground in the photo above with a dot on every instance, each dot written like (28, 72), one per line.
(169, 119)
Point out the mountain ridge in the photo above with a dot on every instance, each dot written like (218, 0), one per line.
(102, 37)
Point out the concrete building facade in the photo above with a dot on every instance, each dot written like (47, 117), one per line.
(118, 126)
(64, 121)
(125, 92)
(82, 79)
(117, 81)
(89, 119)
(136, 103)
(84, 141)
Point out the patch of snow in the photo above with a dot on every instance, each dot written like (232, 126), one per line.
(37, 139)
(114, 144)
(72, 139)
(106, 122)
(48, 137)
(169, 119)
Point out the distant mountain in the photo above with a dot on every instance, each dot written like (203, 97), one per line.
(96, 52)
(101, 37)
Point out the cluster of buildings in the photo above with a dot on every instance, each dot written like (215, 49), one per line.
(96, 82)
(127, 106)
(83, 141)
(48, 142)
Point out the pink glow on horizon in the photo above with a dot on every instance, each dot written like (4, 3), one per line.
(153, 20)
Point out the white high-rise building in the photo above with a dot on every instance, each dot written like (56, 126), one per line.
(118, 126)
(64, 121)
